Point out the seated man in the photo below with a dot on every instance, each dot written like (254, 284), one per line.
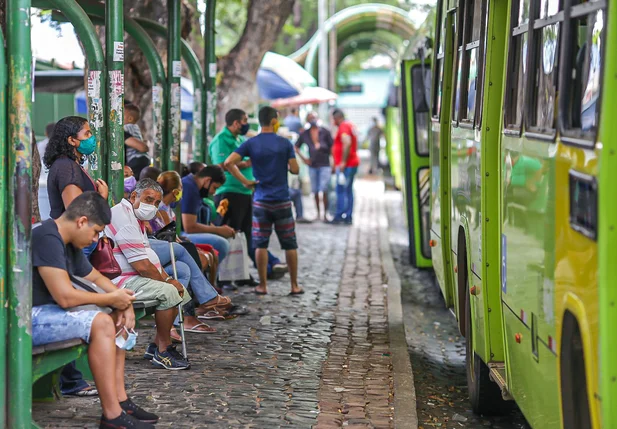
(207, 179)
(56, 256)
(141, 269)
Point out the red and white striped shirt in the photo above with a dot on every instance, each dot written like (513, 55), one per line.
(131, 241)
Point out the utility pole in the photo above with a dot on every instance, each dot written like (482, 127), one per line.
(333, 51)
(323, 55)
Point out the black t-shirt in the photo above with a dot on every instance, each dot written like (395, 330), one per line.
(319, 157)
(65, 172)
(48, 250)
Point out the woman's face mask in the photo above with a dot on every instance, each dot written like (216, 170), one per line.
(87, 146)
(126, 343)
(129, 184)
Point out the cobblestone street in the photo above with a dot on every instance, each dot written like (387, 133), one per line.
(318, 360)
(436, 349)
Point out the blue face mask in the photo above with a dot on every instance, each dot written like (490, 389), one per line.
(86, 147)
(244, 129)
(126, 343)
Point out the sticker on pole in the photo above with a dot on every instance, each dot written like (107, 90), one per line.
(94, 84)
(177, 68)
(118, 51)
(156, 94)
(212, 70)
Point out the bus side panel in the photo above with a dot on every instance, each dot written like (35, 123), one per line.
(532, 381)
(576, 266)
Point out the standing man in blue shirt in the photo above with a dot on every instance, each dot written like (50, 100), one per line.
(272, 157)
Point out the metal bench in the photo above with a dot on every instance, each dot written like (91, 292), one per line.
(49, 359)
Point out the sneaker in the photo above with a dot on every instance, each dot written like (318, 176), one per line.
(139, 413)
(123, 421)
(170, 359)
(149, 354)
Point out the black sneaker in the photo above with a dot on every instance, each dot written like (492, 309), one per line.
(139, 413)
(123, 421)
(170, 359)
(149, 354)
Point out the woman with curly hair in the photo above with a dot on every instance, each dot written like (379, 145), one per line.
(68, 146)
(70, 143)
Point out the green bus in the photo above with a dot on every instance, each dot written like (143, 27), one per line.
(521, 152)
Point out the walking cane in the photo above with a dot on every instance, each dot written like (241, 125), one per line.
(180, 310)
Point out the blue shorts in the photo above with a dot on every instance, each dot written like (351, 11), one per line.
(51, 324)
(320, 179)
(266, 214)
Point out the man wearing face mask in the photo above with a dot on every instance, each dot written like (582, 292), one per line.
(239, 214)
(319, 142)
(61, 312)
(141, 269)
(194, 188)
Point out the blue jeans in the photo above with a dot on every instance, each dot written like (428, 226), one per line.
(187, 268)
(219, 243)
(344, 195)
(320, 178)
(296, 199)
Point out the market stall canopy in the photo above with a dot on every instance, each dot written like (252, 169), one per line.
(309, 95)
(281, 77)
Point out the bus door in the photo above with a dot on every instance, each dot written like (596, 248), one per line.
(415, 119)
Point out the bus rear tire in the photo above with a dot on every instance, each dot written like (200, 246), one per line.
(484, 395)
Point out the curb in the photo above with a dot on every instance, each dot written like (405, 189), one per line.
(405, 412)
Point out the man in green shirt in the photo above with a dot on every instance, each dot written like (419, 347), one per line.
(240, 199)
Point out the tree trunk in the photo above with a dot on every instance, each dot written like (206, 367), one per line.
(238, 89)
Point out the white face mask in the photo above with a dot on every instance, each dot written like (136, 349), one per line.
(145, 211)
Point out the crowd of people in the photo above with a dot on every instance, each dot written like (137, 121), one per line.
(132, 251)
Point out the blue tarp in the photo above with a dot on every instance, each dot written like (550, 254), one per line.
(271, 86)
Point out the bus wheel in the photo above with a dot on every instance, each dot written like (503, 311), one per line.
(484, 394)
(574, 398)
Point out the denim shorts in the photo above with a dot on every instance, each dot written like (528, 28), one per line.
(266, 214)
(51, 323)
(320, 178)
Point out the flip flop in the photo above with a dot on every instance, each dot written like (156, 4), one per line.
(211, 315)
(300, 292)
(86, 392)
(256, 292)
(199, 331)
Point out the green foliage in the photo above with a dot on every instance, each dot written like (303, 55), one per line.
(230, 22)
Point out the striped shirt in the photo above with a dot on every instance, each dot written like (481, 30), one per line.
(131, 241)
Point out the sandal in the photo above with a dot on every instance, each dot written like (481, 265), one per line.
(221, 302)
(206, 329)
(213, 314)
(175, 336)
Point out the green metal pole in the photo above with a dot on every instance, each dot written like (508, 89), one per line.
(19, 211)
(197, 77)
(3, 219)
(95, 65)
(114, 55)
(157, 71)
(210, 75)
(174, 70)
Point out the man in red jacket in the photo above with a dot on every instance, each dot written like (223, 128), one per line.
(346, 161)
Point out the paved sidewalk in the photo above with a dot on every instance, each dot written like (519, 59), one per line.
(317, 360)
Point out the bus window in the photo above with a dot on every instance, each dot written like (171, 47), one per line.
(544, 61)
(584, 37)
(424, 194)
(441, 47)
(517, 66)
(421, 84)
(470, 54)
